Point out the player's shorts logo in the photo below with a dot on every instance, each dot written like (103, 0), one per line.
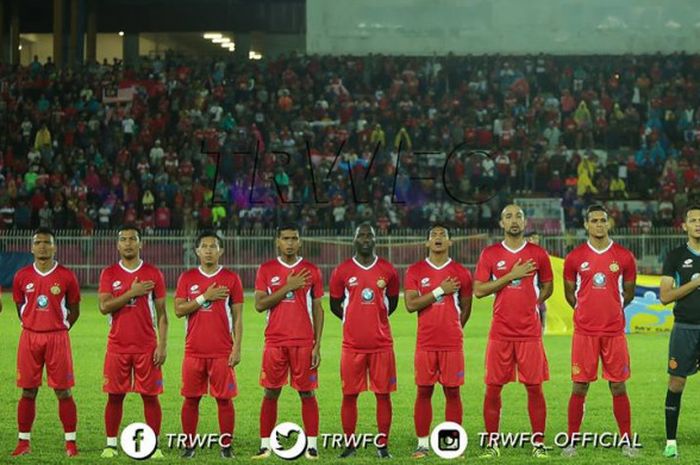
(672, 364)
(289, 295)
(42, 301)
(367, 294)
(575, 369)
(599, 279)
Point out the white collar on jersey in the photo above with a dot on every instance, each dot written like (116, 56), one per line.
(503, 243)
(279, 259)
(55, 265)
(210, 275)
(128, 270)
(449, 260)
(366, 268)
(599, 252)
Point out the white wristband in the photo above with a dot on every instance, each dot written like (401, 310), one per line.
(438, 292)
(200, 300)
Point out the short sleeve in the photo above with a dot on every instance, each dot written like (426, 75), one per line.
(181, 288)
(392, 287)
(629, 273)
(545, 268)
(336, 285)
(317, 291)
(260, 282)
(411, 280)
(105, 285)
(73, 289)
(237, 289)
(483, 268)
(570, 268)
(670, 267)
(159, 291)
(18, 289)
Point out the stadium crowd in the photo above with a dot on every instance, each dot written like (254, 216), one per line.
(173, 154)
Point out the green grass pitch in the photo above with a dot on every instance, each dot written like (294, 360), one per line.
(647, 390)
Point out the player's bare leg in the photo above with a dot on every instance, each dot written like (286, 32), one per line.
(623, 415)
(68, 414)
(309, 414)
(676, 384)
(268, 418)
(26, 411)
(576, 408)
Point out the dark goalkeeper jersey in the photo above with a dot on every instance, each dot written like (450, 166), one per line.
(683, 264)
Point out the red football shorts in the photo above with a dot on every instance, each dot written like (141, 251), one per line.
(502, 358)
(38, 349)
(356, 366)
(444, 366)
(198, 374)
(125, 373)
(281, 363)
(586, 350)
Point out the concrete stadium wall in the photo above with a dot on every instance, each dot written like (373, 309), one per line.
(426, 27)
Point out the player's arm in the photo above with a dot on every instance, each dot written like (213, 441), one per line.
(236, 313)
(73, 313)
(110, 304)
(628, 288)
(519, 270)
(317, 320)
(162, 317)
(546, 290)
(184, 307)
(669, 293)
(337, 307)
(393, 302)
(416, 302)
(265, 301)
(570, 292)
(465, 309)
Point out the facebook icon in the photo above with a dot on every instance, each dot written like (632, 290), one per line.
(138, 441)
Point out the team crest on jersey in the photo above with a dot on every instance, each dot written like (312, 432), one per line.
(599, 279)
(585, 266)
(501, 265)
(55, 289)
(614, 267)
(367, 295)
(425, 282)
(29, 288)
(352, 281)
(688, 263)
(42, 301)
(381, 283)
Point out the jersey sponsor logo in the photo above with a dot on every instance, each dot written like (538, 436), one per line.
(367, 295)
(352, 281)
(425, 282)
(29, 288)
(289, 295)
(599, 280)
(194, 288)
(42, 301)
(585, 266)
(614, 267)
(515, 283)
(501, 265)
(688, 263)
(275, 280)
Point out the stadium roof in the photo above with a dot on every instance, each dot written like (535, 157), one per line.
(275, 16)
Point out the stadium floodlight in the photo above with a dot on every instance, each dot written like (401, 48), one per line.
(221, 40)
(227, 45)
(212, 35)
(121, 33)
(254, 55)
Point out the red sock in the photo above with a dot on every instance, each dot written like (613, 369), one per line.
(68, 414)
(227, 418)
(309, 414)
(537, 408)
(623, 414)
(576, 408)
(348, 413)
(423, 411)
(26, 411)
(453, 404)
(492, 409)
(113, 414)
(383, 418)
(190, 416)
(268, 416)
(152, 412)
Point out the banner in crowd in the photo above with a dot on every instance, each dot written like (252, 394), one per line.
(118, 95)
(645, 314)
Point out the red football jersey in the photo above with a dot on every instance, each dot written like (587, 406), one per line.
(365, 292)
(132, 327)
(599, 276)
(289, 322)
(515, 312)
(208, 329)
(43, 297)
(439, 326)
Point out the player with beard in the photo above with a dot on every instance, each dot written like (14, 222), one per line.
(519, 273)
